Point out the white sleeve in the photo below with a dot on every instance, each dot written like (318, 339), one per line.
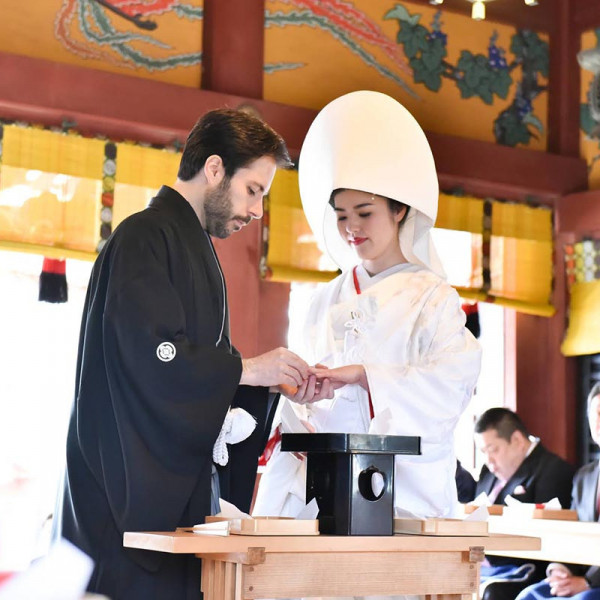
(427, 397)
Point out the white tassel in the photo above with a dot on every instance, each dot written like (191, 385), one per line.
(238, 425)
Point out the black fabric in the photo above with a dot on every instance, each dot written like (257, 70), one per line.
(509, 590)
(592, 576)
(139, 447)
(541, 476)
(585, 486)
(465, 484)
(235, 486)
(53, 288)
(472, 323)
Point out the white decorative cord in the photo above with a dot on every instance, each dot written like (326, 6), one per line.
(238, 425)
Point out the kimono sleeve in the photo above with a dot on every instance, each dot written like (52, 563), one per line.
(237, 477)
(175, 403)
(428, 395)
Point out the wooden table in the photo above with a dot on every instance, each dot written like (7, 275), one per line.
(237, 567)
(562, 541)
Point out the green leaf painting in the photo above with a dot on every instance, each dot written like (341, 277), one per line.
(481, 76)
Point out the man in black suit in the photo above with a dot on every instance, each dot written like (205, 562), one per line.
(577, 581)
(517, 464)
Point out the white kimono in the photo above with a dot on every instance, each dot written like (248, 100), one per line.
(408, 330)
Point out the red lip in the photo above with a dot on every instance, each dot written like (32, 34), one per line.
(357, 241)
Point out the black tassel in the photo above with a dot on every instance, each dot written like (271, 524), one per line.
(472, 324)
(53, 281)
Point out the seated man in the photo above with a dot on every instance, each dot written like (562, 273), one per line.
(578, 582)
(517, 465)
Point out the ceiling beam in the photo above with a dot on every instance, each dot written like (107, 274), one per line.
(579, 213)
(564, 84)
(123, 107)
(485, 169)
(508, 12)
(586, 14)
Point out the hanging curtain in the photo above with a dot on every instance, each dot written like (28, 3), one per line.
(61, 194)
(141, 172)
(582, 263)
(508, 256)
(290, 251)
(50, 191)
(492, 251)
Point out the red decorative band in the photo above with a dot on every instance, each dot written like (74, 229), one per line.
(55, 265)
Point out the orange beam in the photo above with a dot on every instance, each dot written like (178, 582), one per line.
(123, 107)
(485, 169)
(579, 213)
(586, 15)
(233, 47)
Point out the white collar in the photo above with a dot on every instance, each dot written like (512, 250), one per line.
(366, 280)
(534, 442)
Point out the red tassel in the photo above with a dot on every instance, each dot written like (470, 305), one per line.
(53, 281)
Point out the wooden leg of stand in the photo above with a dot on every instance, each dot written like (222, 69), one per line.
(476, 557)
(229, 581)
(221, 580)
(207, 584)
(238, 582)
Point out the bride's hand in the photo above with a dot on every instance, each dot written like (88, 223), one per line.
(310, 390)
(341, 376)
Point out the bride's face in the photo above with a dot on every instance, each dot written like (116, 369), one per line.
(367, 223)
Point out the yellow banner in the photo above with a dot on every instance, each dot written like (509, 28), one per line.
(583, 332)
(52, 152)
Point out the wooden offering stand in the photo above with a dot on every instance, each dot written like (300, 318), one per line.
(248, 567)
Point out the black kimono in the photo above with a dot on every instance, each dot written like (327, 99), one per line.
(156, 375)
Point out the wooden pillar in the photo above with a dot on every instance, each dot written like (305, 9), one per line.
(510, 359)
(258, 309)
(232, 62)
(545, 380)
(545, 385)
(585, 15)
(233, 47)
(546, 390)
(564, 82)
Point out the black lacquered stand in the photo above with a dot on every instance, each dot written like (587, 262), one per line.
(341, 471)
